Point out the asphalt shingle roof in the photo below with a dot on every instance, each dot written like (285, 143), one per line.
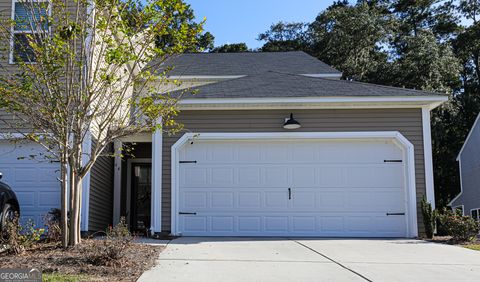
(275, 84)
(247, 63)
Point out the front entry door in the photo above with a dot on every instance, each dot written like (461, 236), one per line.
(141, 196)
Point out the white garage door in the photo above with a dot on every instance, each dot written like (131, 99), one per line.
(292, 188)
(32, 177)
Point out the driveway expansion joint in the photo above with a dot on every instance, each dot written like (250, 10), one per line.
(332, 260)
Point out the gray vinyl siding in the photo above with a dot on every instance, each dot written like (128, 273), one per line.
(101, 193)
(470, 172)
(406, 121)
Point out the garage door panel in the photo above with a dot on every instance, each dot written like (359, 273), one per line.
(222, 223)
(222, 200)
(48, 199)
(249, 224)
(276, 224)
(304, 176)
(275, 153)
(281, 224)
(222, 176)
(249, 176)
(304, 223)
(26, 199)
(32, 176)
(249, 200)
(275, 176)
(194, 176)
(276, 200)
(339, 188)
(194, 200)
(304, 200)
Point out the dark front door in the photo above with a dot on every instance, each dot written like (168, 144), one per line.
(141, 196)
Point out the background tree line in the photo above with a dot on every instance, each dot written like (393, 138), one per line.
(419, 44)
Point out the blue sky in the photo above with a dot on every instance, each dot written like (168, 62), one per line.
(233, 21)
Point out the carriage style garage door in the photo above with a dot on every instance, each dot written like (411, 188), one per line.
(292, 188)
(32, 177)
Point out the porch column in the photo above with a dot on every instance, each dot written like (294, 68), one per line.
(85, 209)
(156, 207)
(117, 180)
(427, 148)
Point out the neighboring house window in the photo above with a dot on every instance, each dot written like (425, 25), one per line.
(459, 209)
(28, 16)
(475, 214)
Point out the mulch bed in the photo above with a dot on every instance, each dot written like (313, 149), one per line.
(51, 258)
(448, 240)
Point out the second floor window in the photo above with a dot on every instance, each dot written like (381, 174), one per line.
(30, 20)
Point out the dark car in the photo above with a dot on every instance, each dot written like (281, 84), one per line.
(8, 204)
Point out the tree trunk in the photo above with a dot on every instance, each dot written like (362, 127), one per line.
(64, 202)
(75, 196)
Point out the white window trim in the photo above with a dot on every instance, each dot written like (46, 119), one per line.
(406, 146)
(478, 213)
(13, 31)
(459, 206)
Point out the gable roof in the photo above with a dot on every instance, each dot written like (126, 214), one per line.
(246, 63)
(475, 124)
(275, 84)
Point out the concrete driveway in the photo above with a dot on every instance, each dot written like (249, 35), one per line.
(257, 259)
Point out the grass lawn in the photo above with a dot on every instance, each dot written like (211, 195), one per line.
(475, 247)
(56, 277)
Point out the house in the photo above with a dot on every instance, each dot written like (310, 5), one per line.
(468, 200)
(274, 144)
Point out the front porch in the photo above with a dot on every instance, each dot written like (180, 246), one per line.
(137, 188)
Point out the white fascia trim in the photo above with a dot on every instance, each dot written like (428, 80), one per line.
(85, 211)
(311, 102)
(323, 75)
(407, 147)
(428, 159)
(468, 136)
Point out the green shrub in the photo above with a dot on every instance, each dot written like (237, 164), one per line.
(461, 228)
(429, 218)
(19, 237)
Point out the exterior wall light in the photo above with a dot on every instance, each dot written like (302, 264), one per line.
(291, 123)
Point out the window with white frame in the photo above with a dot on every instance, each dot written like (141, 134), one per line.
(458, 209)
(30, 19)
(475, 214)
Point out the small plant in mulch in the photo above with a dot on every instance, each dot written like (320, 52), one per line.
(113, 247)
(429, 218)
(461, 228)
(19, 237)
(51, 221)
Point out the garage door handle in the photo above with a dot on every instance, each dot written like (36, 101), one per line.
(395, 213)
(289, 193)
(193, 213)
